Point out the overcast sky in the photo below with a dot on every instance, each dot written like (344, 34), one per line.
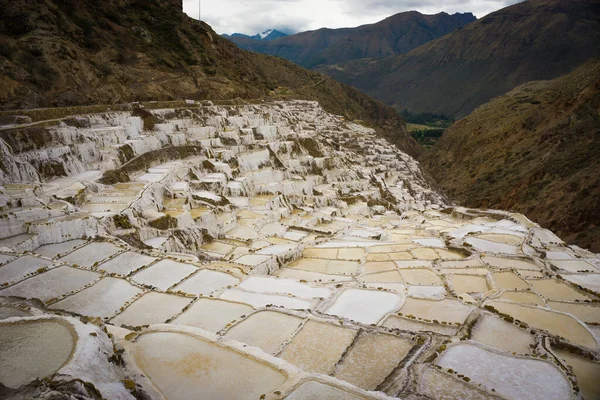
(292, 16)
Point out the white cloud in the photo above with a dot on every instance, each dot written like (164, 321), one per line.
(253, 16)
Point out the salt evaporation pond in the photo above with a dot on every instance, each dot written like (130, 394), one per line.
(49, 343)
(212, 314)
(183, 367)
(320, 391)
(365, 306)
(514, 378)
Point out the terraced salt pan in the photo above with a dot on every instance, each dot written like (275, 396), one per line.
(267, 330)
(492, 247)
(49, 343)
(421, 277)
(156, 242)
(587, 373)
(588, 281)
(205, 282)
(183, 366)
(574, 266)
(522, 297)
(468, 283)
(364, 306)
(371, 359)
(589, 313)
(54, 250)
(261, 284)
(318, 347)
(405, 324)
(431, 242)
(325, 266)
(425, 254)
(18, 269)
(556, 323)
(308, 276)
(441, 386)
(151, 308)
(514, 378)
(52, 284)
(164, 274)
(384, 277)
(103, 299)
(125, 263)
(258, 300)
(500, 262)
(447, 310)
(319, 391)
(9, 312)
(212, 314)
(502, 335)
(91, 254)
(509, 280)
(555, 290)
(4, 258)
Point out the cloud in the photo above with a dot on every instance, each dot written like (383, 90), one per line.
(291, 16)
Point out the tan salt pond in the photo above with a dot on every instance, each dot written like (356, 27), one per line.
(371, 359)
(320, 391)
(501, 262)
(502, 335)
(468, 283)
(422, 277)
(589, 313)
(441, 386)
(587, 373)
(212, 314)
(501, 238)
(555, 290)
(33, 349)
(447, 310)
(183, 366)
(379, 266)
(406, 324)
(388, 276)
(268, 330)
(425, 254)
(151, 308)
(318, 347)
(553, 322)
(509, 280)
(522, 298)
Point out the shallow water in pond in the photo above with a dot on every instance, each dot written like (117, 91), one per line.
(502, 335)
(184, 367)
(587, 373)
(32, 350)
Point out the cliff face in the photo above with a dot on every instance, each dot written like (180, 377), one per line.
(534, 150)
(73, 52)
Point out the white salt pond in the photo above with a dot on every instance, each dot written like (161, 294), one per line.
(49, 343)
(365, 306)
(258, 300)
(54, 250)
(126, 263)
(492, 247)
(151, 308)
(18, 269)
(91, 254)
(447, 310)
(499, 334)
(52, 284)
(103, 299)
(205, 282)
(514, 378)
(164, 274)
(183, 366)
(321, 391)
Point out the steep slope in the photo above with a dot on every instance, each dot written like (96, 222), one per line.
(397, 34)
(534, 150)
(62, 53)
(532, 40)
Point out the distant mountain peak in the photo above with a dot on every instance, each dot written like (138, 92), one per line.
(269, 34)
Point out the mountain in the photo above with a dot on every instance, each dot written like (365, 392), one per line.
(532, 40)
(73, 52)
(397, 34)
(533, 150)
(270, 34)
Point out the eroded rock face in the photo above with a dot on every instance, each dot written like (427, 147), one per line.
(282, 237)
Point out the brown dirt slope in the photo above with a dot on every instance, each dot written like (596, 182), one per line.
(397, 34)
(59, 53)
(452, 75)
(534, 150)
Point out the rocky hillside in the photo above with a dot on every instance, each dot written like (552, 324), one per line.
(534, 150)
(63, 53)
(532, 40)
(397, 34)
